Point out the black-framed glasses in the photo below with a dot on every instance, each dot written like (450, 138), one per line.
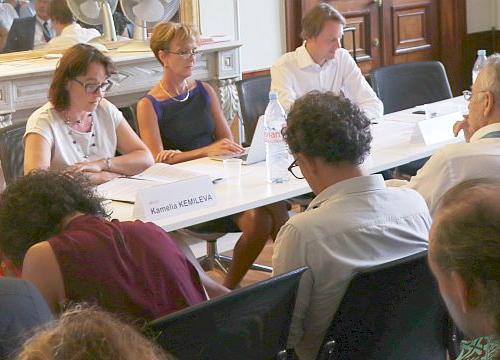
(293, 166)
(184, 54)
(468, 94)
(92, 88)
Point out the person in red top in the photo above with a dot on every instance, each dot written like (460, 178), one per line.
(55, 228)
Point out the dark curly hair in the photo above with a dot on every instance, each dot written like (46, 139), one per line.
(32, 209)
(75, 62)
(328, 126)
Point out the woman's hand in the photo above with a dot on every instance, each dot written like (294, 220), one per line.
(165, 156)
(91, 167)
(101, 177)
(224, 146)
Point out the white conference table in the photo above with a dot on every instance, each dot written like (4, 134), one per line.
(391, 147)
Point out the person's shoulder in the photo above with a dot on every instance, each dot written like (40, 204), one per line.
(399, 196)
(285, 59)
(106, 106)
(43, 113)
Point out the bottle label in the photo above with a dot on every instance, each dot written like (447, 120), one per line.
(273, 137)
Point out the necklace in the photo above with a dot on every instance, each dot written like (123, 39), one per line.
(173, 97)
(91, 147)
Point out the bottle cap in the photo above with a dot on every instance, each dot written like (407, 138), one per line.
(273, 96)
(481, 52)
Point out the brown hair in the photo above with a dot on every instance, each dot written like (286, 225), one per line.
(89, 333)
(75, 62)
(466, 239)
(314, 20)
(164, 34)
(60, 12)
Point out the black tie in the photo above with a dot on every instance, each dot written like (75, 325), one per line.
(46, 32)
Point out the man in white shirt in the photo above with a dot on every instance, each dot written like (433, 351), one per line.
(321, 64)
(480, 156)
(7, 16)
(354, 222)
(68, 31)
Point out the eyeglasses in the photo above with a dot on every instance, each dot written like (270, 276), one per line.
(92, 88)
(468, 94)
(184, 54)
(293, 166)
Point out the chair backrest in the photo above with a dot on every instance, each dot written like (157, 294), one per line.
(12, 151)
(248, 323)
(406, 85)
(254, 97)
(392, 311)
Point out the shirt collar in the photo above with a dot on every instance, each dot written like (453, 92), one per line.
(304, 59)
(484, 130)
(347, 187)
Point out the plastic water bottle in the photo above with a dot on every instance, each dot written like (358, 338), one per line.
(277, 160)
(479, 64)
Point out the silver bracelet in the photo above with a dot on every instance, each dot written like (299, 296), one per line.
(108, 163)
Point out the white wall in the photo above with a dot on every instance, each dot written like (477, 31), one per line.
(482, 15)
(262, 28)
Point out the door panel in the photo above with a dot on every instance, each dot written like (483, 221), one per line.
(410, 31)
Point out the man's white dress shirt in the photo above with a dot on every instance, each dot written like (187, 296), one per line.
(295, 73)
(354, 224)
(455, 163)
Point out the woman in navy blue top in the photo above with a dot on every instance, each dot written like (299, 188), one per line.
(181, 119)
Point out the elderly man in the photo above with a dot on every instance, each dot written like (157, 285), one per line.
(354, 221)
(480, 156)
(28, 33)
(320, 64)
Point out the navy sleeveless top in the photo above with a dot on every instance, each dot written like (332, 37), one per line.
(185, 125)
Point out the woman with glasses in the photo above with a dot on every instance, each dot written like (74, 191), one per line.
(181, 119)
(78, 130)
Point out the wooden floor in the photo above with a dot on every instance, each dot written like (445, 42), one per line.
(265, 258)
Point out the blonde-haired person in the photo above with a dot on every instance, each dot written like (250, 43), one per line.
(465, 259)
(89, 333)
(181, 119)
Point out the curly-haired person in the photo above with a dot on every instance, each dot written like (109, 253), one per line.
(354, 221)
(55, 228)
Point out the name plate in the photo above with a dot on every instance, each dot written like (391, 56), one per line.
(170, 199)
(436, 129)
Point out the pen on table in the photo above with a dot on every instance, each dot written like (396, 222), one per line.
(215, 181)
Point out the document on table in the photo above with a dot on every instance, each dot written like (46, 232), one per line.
(125, 189)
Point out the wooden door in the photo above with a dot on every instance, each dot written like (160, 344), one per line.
(364, 16)
(410, 31)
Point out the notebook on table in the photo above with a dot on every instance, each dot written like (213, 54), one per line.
(256, 152)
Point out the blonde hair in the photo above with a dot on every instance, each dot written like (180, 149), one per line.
(164, 34)
(314, 20)
(85, 333)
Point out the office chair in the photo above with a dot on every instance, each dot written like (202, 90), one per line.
(404, 86)
(391, 311)
(12, 151)
(250, 323)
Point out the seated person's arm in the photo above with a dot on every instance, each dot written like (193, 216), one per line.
(212, 287)
(150, 134)
(134, 159)
(37, 153)
(282, 84)
(3, 37)
(40, 267)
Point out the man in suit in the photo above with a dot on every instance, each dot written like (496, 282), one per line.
(31, 32)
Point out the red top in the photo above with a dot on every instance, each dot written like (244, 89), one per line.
(131, 268)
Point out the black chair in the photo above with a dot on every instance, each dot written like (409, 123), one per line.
(254, 97)
(403, 86)
(12, 151)
(248, 323)
(391, 311)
